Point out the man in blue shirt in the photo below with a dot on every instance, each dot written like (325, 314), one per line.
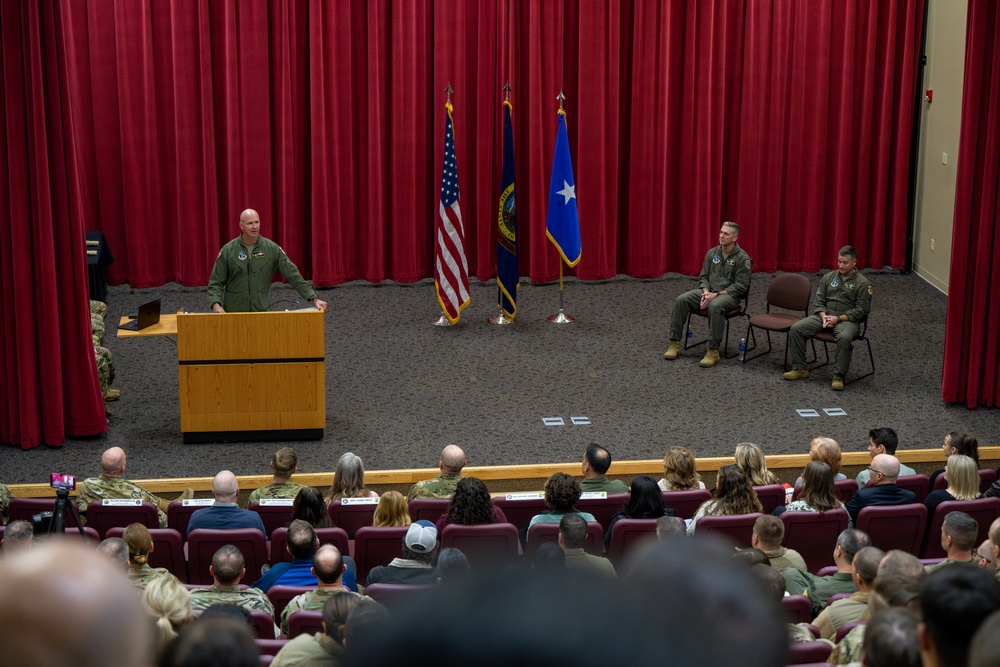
(225, 514)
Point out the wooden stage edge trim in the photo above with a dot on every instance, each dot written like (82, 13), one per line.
(499, 474)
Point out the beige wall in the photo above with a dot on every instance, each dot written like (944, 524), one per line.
(939, 135)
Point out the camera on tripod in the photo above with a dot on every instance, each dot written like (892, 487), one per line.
(54, 522)
(63, 481)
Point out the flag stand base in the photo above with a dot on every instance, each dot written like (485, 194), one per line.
(561, 318)
(500, 318)
(441, 321)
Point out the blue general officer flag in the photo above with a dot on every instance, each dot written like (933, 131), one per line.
(563, 224)
(507, 271)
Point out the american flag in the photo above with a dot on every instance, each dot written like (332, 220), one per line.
(451, 271)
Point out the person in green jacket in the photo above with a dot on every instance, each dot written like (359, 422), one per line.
(241, 277)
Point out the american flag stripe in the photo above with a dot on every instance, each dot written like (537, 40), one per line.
(451, 270)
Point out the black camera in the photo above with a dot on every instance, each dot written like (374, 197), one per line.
(62, 481)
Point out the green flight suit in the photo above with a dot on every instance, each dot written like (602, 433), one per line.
(241, 277)
(719, 273)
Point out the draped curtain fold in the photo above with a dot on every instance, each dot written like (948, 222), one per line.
(972, 330)
(159, 122)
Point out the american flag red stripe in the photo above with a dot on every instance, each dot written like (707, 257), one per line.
(451, 270)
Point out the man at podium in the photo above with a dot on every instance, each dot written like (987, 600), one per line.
(241, 277)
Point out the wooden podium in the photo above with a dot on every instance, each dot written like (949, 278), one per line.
(251, 376)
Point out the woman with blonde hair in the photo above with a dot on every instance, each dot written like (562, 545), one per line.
(750, 459)
(733, 495)
(140, 546)
(828, 451)
(169, 603)
(680, 471)
(962, 474)
(392, 511)
(349, 479)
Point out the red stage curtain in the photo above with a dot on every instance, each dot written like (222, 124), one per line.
(163, 120)
(50, 387)
(972, 332)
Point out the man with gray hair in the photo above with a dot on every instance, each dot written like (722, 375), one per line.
(819, 589)
(864, 569)
(723, 283)
(17, 536)
(116, 551)
(884, 471)
(842, 302)
(225, 514)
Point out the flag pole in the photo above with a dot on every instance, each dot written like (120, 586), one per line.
(501, 317)
(561, 317)
(450, 266)
(441, 320)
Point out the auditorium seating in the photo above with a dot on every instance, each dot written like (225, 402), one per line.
(273, 516)
(102, 517)
(813, 535)
(22, 509)
(986, 478)
(280, 596)
(844, 488)
(519, 510)
(279, 542)
(377, 546)
(352, 516)
(428, 509)
(168, 550)
(396, 596)
(804, 653)
(304, 622)
(485, 545)
(894, 526)
(203, 543)
(543, 532)
(685, 503)
(737, 528)
(627, 534)
(770, 496)
(798, 607)
(179, 515)
(603, 508)
(983, 510)
(918, 484)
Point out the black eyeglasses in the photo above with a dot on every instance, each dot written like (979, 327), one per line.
(874, 471)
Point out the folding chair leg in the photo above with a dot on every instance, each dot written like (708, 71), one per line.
(871, 359)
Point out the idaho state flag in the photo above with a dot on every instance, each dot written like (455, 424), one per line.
(507, 271)
(563, 224)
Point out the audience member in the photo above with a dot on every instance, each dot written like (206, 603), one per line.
(828, 451)
(983, 556)
(668, 527)
(310, 506)
(140, 546)
(888, 591)
(168, 602)
(367, 623)
(749, 458)
(680, 471)
(984, 651)
(768, 531)
(392, 511)
(225, 514)
(214, 641)
(954, 601)
(882, 441)
(227, 569)
(958, 539)
(818, 491)
(116, 551)
(995, 545)
(329, 568)
(864, 568)
(17, 536)
(733, 495)
(111, 485)
(5, 496)
(284, 463)
(596, 461)
(573, 538)
(774, 588)
(958, 443)
(548, 559)
(348, 479)
(62, 603)
(751, 557)
(962, 474)
(420, 548)
(645, 501)
(897, 561)
(891, 640)
(471, 505)
(819, 589)
(302, 545)
(452, 565)
(561, 494)
(443, 485)
(883, 490)
(322, 648)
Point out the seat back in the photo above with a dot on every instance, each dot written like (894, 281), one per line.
(203, 543)
(813, 535)
(304, 622)
(919, 484)
(168, 550)
(603, 508)
(397, 596)
(179, 513)
(771, 495)
(894, 526)
(737, 528)
(627, 534)
(90, 535)
(273, 515)
(790, 291)
(804, 653)
(845, 489)
(279, 542)
(270, 646)
(280, 596)
(428, 509)
(485, 545)
(519, 509)
(846, 628)
(685, 503)
(261, 624)
(377, 546)
(24, 508)
(548, 531)
(986, 479)
(798, 608)
(983, 510)
(352, 515)
(113, 513)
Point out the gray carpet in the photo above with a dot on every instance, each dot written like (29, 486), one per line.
(398, 389)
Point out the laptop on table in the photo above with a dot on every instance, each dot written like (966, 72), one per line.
(149, 314)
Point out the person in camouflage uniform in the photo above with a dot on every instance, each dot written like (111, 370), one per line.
(443, 485)
(140, 544)
(5, 496)
(284, 462)
(228, 567)
(111, 485)
(105, 363)
(329, 568)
